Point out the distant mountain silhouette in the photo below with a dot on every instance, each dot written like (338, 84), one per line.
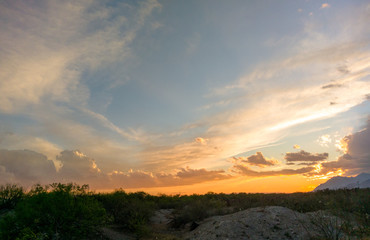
(360, 181)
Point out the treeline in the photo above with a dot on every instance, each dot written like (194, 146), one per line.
(70, 211)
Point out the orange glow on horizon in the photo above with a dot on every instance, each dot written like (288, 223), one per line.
(275, 184)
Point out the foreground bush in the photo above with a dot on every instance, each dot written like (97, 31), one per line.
(65, 211)
(129, 211)
(9, 196)
(69, 211)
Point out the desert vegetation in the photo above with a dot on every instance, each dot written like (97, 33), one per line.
(70, 211)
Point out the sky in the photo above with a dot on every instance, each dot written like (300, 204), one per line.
(182, 97)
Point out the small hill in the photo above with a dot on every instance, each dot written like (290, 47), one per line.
(360, 181)
(265, 223)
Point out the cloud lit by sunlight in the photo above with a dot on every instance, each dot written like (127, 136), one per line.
(201, 140)
(342, 145)
(324, 140)
(325, 5)
(325, 176)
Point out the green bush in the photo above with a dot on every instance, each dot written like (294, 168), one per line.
(67, 211)
(130, 211)
(200, 208)
(9, 196)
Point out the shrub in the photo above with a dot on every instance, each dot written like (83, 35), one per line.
(66, 212)
(130, 211)
(9, 196)
(197, 210)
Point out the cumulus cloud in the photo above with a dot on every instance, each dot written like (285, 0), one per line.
(257, 160)
(356, 157)
(26, 167)
(10, 140)
(184, 176)
(76, 166)
(306, 157)
(296, 146)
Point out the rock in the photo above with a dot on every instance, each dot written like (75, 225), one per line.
(161, 220)
(257, 223)
(162, 216)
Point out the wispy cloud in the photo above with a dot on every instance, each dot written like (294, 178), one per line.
(52, 53)
(53, 44)
(258, 96)
(332, 85)
(229, 130)
(43, 58)
(131, 134)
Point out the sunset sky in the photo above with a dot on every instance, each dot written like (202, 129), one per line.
(184, 96)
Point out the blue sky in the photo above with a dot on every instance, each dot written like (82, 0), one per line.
(142, 94)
